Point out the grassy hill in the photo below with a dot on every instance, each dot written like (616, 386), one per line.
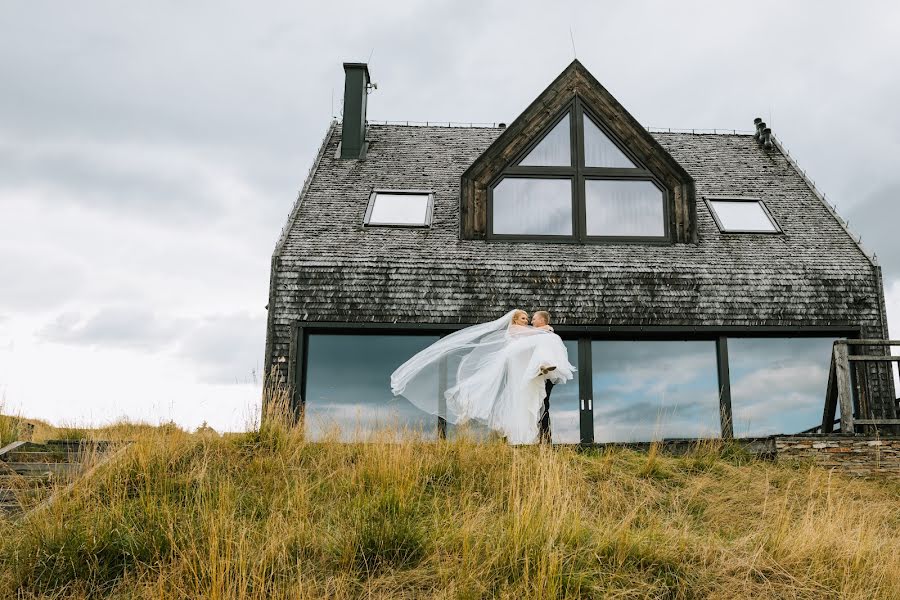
(267, 515)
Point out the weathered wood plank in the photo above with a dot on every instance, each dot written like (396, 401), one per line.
(10, 447)
(877, 421)
(28, 468)
(830, 400)
(891, 358)
(844, 386)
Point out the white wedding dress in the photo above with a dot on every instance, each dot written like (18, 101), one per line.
(490, 372)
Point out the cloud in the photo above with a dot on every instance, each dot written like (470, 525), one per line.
(173, 183)
(117, 327)
(30, 281)
(223, 349)
(875, 219)
(226, 348)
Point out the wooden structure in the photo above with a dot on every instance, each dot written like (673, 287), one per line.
(31, 472)
(334, 274)
(854, 381)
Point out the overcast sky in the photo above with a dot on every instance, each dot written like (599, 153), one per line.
(150, 152)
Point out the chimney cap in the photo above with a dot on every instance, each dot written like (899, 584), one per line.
(357, 65)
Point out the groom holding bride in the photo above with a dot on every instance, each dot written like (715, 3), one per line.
(498, 373)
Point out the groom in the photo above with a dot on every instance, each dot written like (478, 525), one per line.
(541, 320)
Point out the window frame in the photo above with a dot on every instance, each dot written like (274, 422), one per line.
(584, 334)
(578, 174)
(429, 209)
(722, 229)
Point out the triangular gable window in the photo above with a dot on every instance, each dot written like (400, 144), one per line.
(600, 151)
(555, 150)
(577, 183)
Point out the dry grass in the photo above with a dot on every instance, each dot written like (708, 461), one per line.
(268, 515)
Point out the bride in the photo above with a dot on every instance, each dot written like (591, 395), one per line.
(492, 372)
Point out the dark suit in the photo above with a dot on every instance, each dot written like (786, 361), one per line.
(544, 423)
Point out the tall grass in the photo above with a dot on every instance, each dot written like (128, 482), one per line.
(268, 514)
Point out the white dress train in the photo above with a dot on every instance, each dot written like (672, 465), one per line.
(489, 372)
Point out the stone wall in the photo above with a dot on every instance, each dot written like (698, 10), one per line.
(865, 456)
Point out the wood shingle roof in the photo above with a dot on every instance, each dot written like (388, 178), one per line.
(332, 268)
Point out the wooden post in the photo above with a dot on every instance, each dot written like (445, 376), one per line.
(844, 385)
(725, 415)
(830, 396)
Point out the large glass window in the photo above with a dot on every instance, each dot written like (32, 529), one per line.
(777, 384)
(626, 208)
(530, 206)
(652, 390)
(554, 150)
(598, 193)
(600, 151)
(564, 405)
(348, 385)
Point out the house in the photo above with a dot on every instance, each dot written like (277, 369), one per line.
(699, 280)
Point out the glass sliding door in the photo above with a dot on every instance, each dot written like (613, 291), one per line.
(652, 390)
(564, 404)
(348, 387)
(777, 384)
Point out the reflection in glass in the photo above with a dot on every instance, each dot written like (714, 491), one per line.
(645, 391)
(564, 405)
(742, 215)
(399, 209)
(348, 385)
(626, 208)
(777, 384)
(531, 206)
(552, 151)
(600, 151)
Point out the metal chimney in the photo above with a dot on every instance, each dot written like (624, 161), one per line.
(353, 131)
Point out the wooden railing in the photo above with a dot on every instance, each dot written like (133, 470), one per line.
(850, 387)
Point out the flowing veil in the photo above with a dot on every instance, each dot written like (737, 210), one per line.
(486, 372)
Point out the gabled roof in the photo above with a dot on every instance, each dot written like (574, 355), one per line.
(576, 80)
(332, 268)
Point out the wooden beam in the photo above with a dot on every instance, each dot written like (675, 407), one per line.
(830, 399)
(886, 358)
(877, 421)
(872, 342)
(10, 447)
(844, 386)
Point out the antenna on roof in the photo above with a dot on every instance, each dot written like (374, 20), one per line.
(572, 37)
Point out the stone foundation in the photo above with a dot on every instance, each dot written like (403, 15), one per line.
(865, 456)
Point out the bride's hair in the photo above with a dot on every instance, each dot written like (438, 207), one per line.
(516, 314)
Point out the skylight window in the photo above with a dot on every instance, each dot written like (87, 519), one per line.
(400, 208)
(742, 215)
